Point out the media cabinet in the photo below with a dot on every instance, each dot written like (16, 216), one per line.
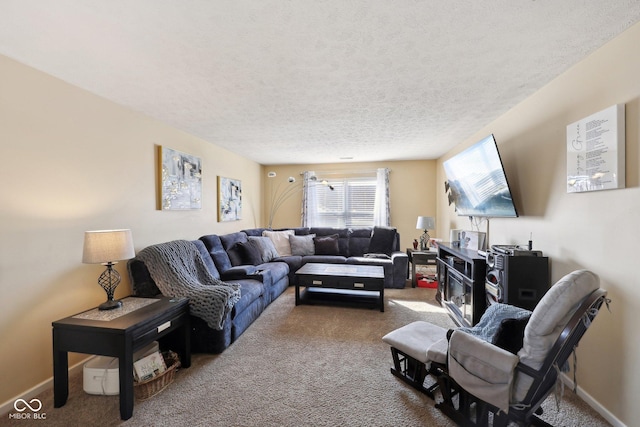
(461, 283)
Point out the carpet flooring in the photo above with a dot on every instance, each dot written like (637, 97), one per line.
(295, 366)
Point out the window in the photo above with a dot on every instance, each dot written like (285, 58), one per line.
(345, 201)
(350, 204)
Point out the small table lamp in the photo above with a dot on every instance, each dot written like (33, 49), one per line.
(425, 223)
(106, 247)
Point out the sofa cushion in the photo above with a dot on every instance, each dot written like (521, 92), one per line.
(217, 252)
(265, 246)
(250, 290)
(277, 270)
(326, 245)
(229, 240)
(141, 282)
(382, 240)
(254, 231)
(280, 240)
(302, 245)
(359, 239)
(301, 231)
(324, 259)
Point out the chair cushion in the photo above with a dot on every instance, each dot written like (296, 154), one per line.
(481, 368)
(548, 319)
(416, 339)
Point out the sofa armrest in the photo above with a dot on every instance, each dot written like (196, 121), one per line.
(400, 262)
(239, 272)
(481, 368)
(398, 255)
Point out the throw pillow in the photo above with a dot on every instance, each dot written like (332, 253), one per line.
(382, 240)
(511, 334)
(236, 254)
(280, 240)
(249, 254)
(302, 245)
(265, 246)
(326, 245)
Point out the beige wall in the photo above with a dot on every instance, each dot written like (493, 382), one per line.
(411, 192)
(71, 162)
(596, 230)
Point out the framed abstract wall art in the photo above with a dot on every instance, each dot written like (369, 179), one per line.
(179, 180)
(229, 199)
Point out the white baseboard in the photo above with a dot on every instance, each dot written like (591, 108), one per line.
(615, 422)
(7, 406)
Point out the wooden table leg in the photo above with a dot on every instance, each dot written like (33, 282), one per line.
(126, 381)
(60, 376)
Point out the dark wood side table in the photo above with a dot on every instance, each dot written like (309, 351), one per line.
(417, 257)
(119, 333)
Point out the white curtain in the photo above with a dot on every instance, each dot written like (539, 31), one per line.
(309, 199)
(381, 206)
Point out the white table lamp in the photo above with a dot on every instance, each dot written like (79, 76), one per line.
(425, 223)
(106, 247)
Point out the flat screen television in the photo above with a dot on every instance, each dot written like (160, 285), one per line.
(477, 182)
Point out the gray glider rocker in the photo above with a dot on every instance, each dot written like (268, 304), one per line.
(493, 367)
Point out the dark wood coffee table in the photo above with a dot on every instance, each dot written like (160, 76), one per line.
(342, 283)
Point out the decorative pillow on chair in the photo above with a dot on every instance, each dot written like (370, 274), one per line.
(382, 240)
(302, 245)
(280, 240)
(326, 245)
(511, 334)
(265, 246)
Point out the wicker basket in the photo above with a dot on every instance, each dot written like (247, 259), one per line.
(146, 389)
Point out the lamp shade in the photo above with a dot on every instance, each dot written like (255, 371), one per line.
(426, 223)
(102, 246)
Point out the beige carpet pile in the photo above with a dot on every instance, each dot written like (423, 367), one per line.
(296, 366)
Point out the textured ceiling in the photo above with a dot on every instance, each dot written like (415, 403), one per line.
(313, 81)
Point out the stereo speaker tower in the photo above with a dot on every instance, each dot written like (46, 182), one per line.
(516, 277)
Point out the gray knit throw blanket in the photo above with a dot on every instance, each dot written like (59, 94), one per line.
(178, 269)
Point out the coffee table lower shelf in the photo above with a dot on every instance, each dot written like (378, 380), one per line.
(341, 297)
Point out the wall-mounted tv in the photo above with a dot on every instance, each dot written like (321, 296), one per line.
(477, 182)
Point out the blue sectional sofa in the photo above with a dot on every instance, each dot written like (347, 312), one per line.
(263, 276)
